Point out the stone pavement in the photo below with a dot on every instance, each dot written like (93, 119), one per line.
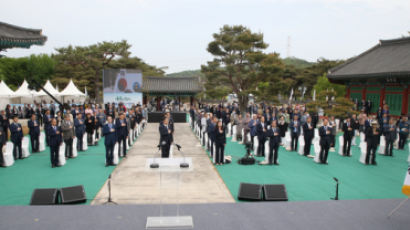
(133, 183)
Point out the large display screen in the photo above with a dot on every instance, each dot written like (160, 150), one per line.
(122, 85)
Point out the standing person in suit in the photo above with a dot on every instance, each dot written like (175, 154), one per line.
(273, 133)
(325, 134)
(404, 131)
(332, 123)
(283, 126)
(261, 133)
(390, 134)
(211, 133)
(110, 139)
(47, 122)
(79, 131)
(89, 128)
(5, 123)
(295, 132)
(2, 143)
(34, 131)
(122, 133)
(373, 140)
(220, 142)
(165, 138)
(348, 133)
(308, 135)
(16, 137)
(67, 128)
(55, 142)
(252, 127)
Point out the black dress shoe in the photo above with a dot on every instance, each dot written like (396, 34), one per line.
(52, 166)
(106, 165)
(374, 163)
(276, 163)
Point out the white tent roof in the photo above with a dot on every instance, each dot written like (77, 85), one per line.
(5, 90)
(71, 90)
(50, 88)
(23, 91)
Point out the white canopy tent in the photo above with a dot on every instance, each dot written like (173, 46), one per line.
(50, 88)
(71, 92)
(23, 94)
(5, 95)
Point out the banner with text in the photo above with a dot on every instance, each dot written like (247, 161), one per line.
(122, 85)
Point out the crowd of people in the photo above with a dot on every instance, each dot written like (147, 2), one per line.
(271, 123)
(114, 121)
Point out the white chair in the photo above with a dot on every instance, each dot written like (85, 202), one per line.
(341, 139)
(337, 124)
(234, 133)
(301, 147)
(75, 153)
(130, 137)
(206, 140)
(61, 155)
(288, 141)
(8, 155)
(255, 145)
(25, 148)
(242, 137)
(266, 149)
(127, 144)
(316, 148)
(382, 146)
(171, 151)
(115, 154)
(363, 150)
(93, 139)
(354, 137)
(85, 144)
(317, 137)
(396, 143)
(42, 144)
(229, 130)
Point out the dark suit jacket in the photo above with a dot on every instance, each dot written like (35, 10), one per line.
(308, 133)
(325, 138)
(16, 134)
(165, 136)
(34, 130)
(346, 133)
(271, 134)
(55, 138)
(220, 138)
(110, 136)
(121, 127)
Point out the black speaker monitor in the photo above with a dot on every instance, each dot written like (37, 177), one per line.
(44, 196)
(73, 195)
(250, 192)
(275, 192)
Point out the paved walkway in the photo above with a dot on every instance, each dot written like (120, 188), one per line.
(132, 183)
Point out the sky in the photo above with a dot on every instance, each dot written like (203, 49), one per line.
(175, 33)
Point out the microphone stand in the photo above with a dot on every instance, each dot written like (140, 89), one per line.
(182, 164)
(337, 189)
(109, 201)
(154, 164)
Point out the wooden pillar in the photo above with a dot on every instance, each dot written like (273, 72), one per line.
(179, 103)
(159, 103)
(348, 92)
(405, 101)
(144, 100)
(382, 95)
(364, 93)
(192, 100)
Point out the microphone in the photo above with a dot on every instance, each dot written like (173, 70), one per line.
(334, 178)
(182, 164)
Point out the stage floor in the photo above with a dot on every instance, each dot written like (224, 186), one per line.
(335, 215)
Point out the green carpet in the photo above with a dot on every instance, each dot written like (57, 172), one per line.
(307, 180)
(88, 168)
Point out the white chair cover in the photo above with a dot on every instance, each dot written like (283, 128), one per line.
(42, 144)
(61, 155)
(8, 155)
(317, 137)
(363, 149)
(316, 147)
(341, 145)
(242, 137)
(337, 124)
(24, 147)
(229, 130)
(115, 154)
(234, 133)
(266, 148)
(255, 144)
(354, 138)
(171, 151)
(301, 147)
(396, 143)
(75, 153)
(288, 141)
(85, 144)
(382, 146)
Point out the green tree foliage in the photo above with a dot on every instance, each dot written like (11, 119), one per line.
(237, 56)
(339, 107)
(187, 73)
(35, 67)
(323, 84)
